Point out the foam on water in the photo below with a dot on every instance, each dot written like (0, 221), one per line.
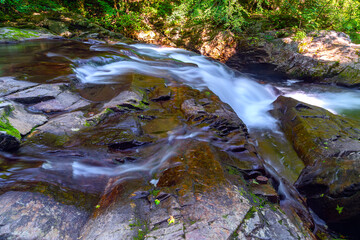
(336, 102)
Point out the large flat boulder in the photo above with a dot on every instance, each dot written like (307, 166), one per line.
(65, 101)
(64, 124)
(9, 85)
(36, 94)
(23, 120)
(26, 215)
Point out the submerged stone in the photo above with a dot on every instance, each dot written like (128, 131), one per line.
(127, 99)
(64, 124)
(8, 143)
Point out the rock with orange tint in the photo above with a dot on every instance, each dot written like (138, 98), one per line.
(193, 199)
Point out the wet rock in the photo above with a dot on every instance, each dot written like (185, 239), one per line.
(117, 222)
(9, 136)
(126, 145)
(329, 146)
(217, 115)
(197, 214)
(127, 99)
(266, 191)
(9, 85)
(36, 94)
(262, 179)
(24, 121)
(65, 101)
(26, 215)
(8, 143)
(195, 201)
(64, 124)
(124, 160)
(267, 223)
(191, 108)
(161, 95)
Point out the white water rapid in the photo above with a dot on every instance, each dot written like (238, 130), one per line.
(249, 99)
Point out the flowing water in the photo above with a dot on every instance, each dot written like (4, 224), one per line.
(103, 71)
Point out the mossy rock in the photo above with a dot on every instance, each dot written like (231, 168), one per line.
(329, 145)
(16, 34)
(9, 136)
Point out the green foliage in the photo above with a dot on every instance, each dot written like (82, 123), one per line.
(229, 14)
(342, 15)
(235, 15)
(299, 35)
(24, 6)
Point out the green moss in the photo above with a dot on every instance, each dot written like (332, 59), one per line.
(132, 106)
(66, 196)
(154, 192)
(108, 111)
(49, 139)
(88, 123)
(251, 213)
(233, 171)
(5, 125)
(17, 34)
(141, 227)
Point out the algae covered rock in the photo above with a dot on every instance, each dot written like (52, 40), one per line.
(9, 136)
(330, 147)
(10, 34)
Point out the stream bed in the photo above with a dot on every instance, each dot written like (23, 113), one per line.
(86, 164)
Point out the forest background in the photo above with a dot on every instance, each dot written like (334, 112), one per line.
(250, 16)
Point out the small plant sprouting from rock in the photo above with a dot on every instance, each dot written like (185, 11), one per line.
(157, 201)
(171, 220)
(339, 209)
